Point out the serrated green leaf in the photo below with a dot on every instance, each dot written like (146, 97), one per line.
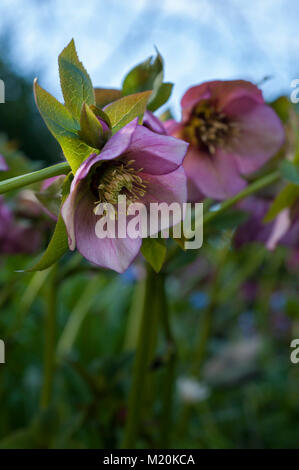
(289, 171)
(75, 82)
(106, 96)
(58, 245)
(91, 130)
(285, 198)
(162, 96)
(154, 251)
(63, 127)
(124, 110)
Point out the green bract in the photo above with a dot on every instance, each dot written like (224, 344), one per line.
(154, 251)
(149, 76)
(75, 82)
(124, 110)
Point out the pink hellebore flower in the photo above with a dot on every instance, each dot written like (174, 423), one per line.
(136, 162)
(232, 132)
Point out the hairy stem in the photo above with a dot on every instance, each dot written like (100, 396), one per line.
(24, 180)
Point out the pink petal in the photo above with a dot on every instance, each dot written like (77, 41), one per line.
(174, 128)
(215, 176)
(261, 136)
(225, 92)
(112, 253)
(220, 92)
(153, 123)
(168, 189)
(156, 154)
(68, 211)
(192, 96)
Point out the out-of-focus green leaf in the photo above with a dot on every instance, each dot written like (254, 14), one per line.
(124, 110)
(91, 130)
(154, 251)
(285, 198)
(106, 96)
(20, 439)
(17, 162)
(290, 171)
(75, 82)
(63, 127)
(282, 107)
(162, 96)
(58, 245)
(228, 220)
(145, 76)
(149, 76)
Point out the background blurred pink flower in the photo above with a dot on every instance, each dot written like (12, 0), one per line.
(232, 132)
(16, 237)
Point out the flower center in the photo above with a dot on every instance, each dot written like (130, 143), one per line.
(208, 129)
(115, 178)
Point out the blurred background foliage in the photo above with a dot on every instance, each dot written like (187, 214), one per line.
(233, 312)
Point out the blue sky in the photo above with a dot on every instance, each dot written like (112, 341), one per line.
(199, 39)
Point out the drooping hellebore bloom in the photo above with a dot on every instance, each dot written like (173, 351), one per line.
(231, 131)
(136, 162)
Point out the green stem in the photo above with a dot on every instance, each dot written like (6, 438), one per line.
(207, 318)
(250, 189)
(141, 365)
(49, 348)
(24, 180)
(170, 369)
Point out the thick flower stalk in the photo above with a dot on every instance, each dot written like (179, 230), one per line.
(232, 133)
(137, 163)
